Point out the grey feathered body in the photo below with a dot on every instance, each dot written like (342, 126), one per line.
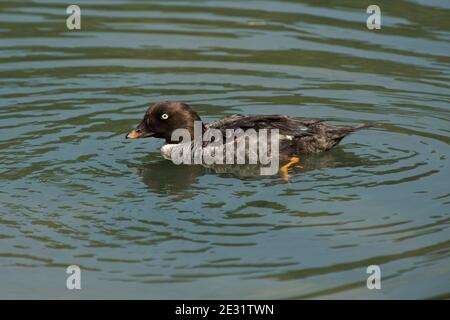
(296, 136)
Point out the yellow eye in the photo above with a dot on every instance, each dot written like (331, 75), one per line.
(164, 116)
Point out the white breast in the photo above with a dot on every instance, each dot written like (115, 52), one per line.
(166, 150)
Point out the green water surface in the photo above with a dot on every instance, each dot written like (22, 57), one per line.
(74, 191)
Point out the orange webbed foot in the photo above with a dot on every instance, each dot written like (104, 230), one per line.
(284, 169)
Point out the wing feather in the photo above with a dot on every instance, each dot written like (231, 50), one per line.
(285, 124)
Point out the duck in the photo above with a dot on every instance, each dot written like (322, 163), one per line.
(296, 136)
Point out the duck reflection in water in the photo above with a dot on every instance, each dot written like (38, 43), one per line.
(164, 177)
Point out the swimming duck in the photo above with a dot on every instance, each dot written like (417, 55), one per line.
(296, 136)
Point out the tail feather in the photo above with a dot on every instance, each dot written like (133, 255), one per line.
(341, 132)
(363, 126)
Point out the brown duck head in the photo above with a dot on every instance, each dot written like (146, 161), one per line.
(163, 118)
